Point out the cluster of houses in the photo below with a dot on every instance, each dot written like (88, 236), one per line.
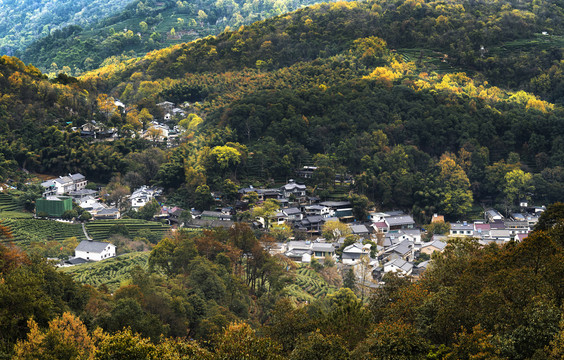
(394, 250)
(387, 242)
(60, 193)
(390, 241)
(156, 131)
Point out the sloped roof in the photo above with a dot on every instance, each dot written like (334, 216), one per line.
(92, 246)
(462, 226)
(291, 211)
(63, 180)
(359, 229)
(77, 177)
(323, 247)
(291, 185)
(355, 248)
(399, 220)
(437, 244)
(109, 211)
(400, 263)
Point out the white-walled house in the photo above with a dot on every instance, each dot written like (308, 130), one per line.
(94, 250)
(65, 184)
(399, 266)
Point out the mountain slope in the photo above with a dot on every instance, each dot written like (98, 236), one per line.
(144, 26)
(25, 21)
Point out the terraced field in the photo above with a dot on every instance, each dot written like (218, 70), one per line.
(110, 272)
(27, 231)
(308, 286)
(7, 203)
(99, 230)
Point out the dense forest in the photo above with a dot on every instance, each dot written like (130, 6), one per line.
(315, 87)
(144, 26)
(25, 21)
(219, 295)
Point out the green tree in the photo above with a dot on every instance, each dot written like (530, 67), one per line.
(334, 229)
(125, 345)
(436, 228)
(518, 185)
(266, 211)
(454, 188)
(202, 198)
(360, 205)
(239, 341)
(317, 346)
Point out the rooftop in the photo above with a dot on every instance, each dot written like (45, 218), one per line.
(92, 246)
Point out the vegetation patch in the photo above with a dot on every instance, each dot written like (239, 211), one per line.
(111, 272)
(308, 286)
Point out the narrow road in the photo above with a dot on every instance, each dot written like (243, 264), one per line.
(85, 233)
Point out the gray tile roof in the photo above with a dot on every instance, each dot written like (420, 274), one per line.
(462, 226)
(402, 264)
(359, 229)
(437, 244)
(109, 211)
(325, 247)
(399, 220)
(335, 203)
(291, 211)
(91, 246)
(77, 177)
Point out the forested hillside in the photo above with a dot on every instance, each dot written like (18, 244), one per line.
(330, 85)
(321, 86)
(27, 20)
(144, 26)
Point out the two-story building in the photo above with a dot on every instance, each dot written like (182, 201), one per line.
(94, 250)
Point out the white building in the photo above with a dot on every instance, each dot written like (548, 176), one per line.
(142, 196)
(64, 184)
(399, 266)
(94, 250)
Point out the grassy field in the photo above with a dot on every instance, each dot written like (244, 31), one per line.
(100, 229)
(308, 286)
(111, 272)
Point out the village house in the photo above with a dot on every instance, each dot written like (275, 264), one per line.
(430, 247)
(52, 206)
(339, 209)
(351, 254)
(143, 196)
(311, 224)
(64, 184)
(322, 250)
(399, 266)
(292, 188)
(402, 250)
(493, 215)
(319, 210)
(463, 229)
(399, 222)
(360, 230)
(263, 194)
(106, 213)
(94, 250)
